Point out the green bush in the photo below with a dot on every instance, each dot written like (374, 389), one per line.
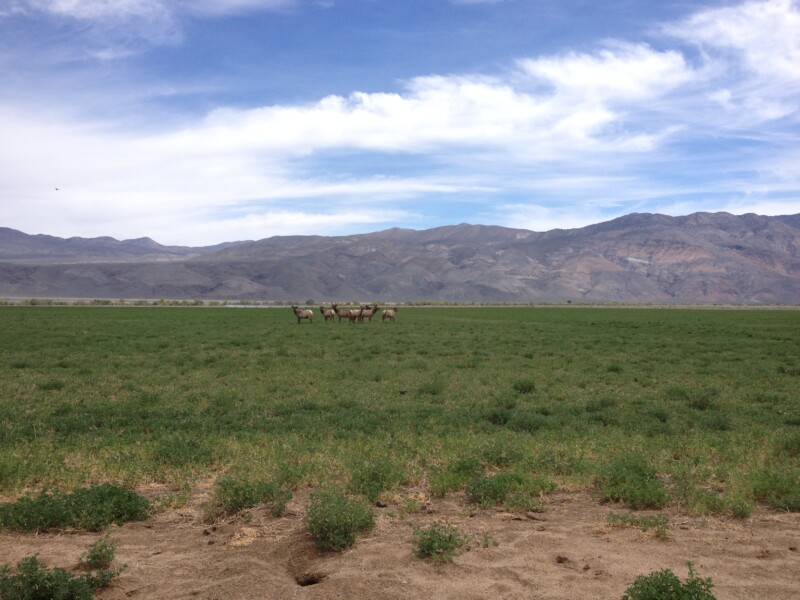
(633, 482)
(440, 541)
(524, 386)
(34, 581)
(232, 495)
(335, 520)
(665, 585)
(91, 509)
(100, 555)
(527, 420)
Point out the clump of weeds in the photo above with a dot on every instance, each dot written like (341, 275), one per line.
(335, 520)
(440, 542)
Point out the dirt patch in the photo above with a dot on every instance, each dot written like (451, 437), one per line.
(567, 552)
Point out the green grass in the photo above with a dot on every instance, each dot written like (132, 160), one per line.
(32, 580)
(630, 480)
(707, 399)
(657, 523)
(335, 520)
(91, 509)
(234, 494)
(440, 542)
(100, 555)
(665, 585)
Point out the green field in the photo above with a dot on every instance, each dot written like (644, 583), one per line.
(708, 400)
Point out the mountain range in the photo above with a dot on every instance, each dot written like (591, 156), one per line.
(705, 258)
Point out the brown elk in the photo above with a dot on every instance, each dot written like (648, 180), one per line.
(345, 313)
(367, 312)
(389, 313)
(328, 314)
(303, 314)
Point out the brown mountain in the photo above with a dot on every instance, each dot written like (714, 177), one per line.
(699, 258)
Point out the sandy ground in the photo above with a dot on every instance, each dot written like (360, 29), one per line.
(567, 552)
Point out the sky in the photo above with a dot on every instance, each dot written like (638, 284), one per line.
(197, 122)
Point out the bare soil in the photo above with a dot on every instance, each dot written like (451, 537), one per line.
(567, 552)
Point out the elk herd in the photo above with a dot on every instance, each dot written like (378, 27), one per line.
(353, 315)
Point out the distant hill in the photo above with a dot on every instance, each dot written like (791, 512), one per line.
(638, 258)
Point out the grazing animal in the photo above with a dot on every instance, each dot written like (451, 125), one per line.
(345, 313)
(367, 312)
(303, 314)
(389, 313)
(328, 314)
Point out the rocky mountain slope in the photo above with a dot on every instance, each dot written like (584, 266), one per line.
(639, 258)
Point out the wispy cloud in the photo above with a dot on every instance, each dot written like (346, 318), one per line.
(702, 116)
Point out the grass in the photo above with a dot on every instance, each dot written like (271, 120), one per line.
(235, 494)
(657, 523)
(335, 520)
(100, 555)
(630, 480)
(90, 509)
(706, 399)
(32, 580)
(440, 542)
(665, 585)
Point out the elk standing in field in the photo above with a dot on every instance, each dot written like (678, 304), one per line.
(328, 314)
(366, 312)
(389, 313)
(303, 314)
(345, 313)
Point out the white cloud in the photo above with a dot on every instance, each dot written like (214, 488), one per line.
(538, 217)
(115, 29)
(620, 73)
(223, 7)
(472, 113)
(754, 51)
(601, 131)
(765, 35)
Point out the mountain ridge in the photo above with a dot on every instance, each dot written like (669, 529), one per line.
(635, 258)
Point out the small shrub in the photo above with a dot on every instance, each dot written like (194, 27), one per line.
(702, 399)
(528, 421)
(91, 508)
(440, 542)
(498, 415)
(715, 422)
(32, 580)
(676, 393)
(665, 585)
(524, 386)
(232, 495)
(100, 555)
(335, 520)
(632, 481)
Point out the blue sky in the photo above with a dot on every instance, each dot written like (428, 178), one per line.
(196, 122)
